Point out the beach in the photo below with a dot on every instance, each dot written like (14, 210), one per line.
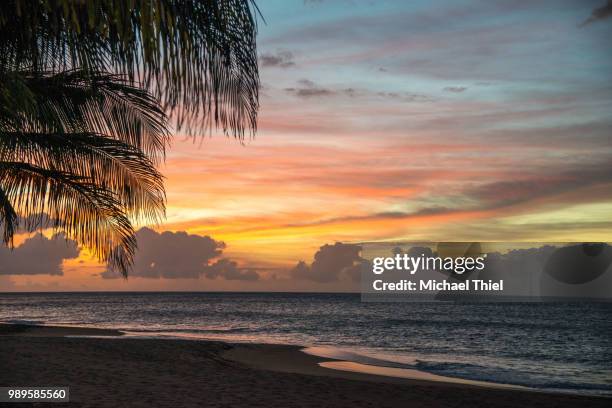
(104, 369)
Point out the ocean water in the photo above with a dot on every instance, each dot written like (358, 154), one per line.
(565, 347)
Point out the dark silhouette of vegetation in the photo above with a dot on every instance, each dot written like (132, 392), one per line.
(88, 92)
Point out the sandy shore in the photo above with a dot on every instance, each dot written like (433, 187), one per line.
(136, 372)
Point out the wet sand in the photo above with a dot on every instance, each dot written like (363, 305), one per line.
(136, 372)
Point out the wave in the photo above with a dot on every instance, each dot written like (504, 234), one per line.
(194, 331)
(24, 322)
(503, 375)
(377, 359)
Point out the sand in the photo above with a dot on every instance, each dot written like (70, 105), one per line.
(114, 371)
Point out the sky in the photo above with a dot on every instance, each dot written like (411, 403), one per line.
(379, 121)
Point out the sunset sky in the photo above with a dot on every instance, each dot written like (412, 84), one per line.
(380, 120)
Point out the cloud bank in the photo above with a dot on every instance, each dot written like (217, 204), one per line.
(179, 255)
(38, 255)
(331, 263)
(600, 13)
(281, 59)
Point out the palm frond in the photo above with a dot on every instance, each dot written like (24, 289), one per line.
(80, 101)
(49, 126)
(87, 88)
(9, 220)
(198, 56)
(86, 212)
(118, 167)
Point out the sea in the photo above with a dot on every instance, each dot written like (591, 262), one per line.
(560, 347)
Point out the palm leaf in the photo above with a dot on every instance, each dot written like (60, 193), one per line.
(86, 87)
(118, 167)
(49, 146)
(198, 56)
(8, 219)
(79, 101)
(86, 212)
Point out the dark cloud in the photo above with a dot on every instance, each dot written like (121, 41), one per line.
(301, 270)
(281, 59)
(506, 193)
(171, 255)
(38, 255)
(433, 210)
(592, 179)
(306, 82)
(511, 192)
(310, 92)
(331, 263)
(179, 255)
(308, 89)
(229, 270)
(455, 89)
(405, 96)
(389, 214)
(351, 92)
(600, 13)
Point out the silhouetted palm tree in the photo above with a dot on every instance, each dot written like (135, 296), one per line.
(88, 89)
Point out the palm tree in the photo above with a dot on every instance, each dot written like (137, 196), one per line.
(88, 92)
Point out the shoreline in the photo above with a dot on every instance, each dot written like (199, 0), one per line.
(275, 357)
(104, 368)
(287, 359)
(38, 330)
(296, 359)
